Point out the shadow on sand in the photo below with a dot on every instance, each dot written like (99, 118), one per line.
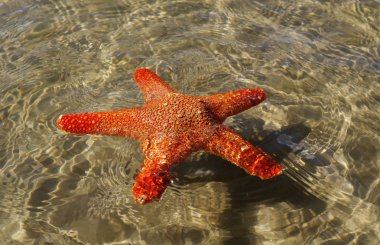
(246, 191)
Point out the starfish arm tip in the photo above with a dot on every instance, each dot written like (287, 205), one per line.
(78, 123)
(62, 123)
(58, 122)
(231, 103)
(254, 96)
(152, 86)
(140, 72)
(266, 169)
(150, 186)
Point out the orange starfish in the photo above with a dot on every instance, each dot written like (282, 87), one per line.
(171, 125)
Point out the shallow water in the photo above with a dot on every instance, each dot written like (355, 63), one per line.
(318, 61)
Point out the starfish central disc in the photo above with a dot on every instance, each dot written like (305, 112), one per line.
(170, 125)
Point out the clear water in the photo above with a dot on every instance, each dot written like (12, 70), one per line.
(319, 62)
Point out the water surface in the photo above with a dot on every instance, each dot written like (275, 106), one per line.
(319, 62)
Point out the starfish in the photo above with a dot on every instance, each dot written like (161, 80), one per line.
(171, 125)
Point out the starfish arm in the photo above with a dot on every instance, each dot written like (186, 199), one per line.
(225, 105)
(151, 181)
(124, 123)
(230, 146)
(152, 86)
(160, 154)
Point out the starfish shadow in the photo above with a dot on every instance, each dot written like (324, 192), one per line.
(246, 192)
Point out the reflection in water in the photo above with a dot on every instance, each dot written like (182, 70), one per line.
(319, 61)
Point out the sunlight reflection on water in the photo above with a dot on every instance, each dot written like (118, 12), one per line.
(318, 61)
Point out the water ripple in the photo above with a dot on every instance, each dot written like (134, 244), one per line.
(319, 62)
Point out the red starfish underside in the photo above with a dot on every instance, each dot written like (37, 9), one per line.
(171, 125)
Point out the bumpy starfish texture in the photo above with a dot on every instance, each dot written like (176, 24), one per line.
(171, 125)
